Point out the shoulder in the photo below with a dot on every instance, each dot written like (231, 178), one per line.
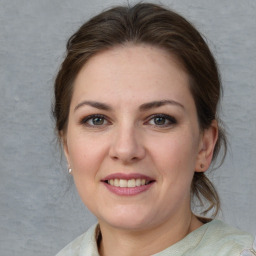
(222, 239)
(73, 248)
(85, 242)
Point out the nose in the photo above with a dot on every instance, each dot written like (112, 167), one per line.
(127, 145)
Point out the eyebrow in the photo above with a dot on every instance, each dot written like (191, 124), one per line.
(143, 107)
(157, 104)
(94, 104)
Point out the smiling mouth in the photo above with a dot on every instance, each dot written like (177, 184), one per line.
(131, 183)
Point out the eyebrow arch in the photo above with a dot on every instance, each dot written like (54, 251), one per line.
(143, 107)
(94, 104)
(157, 104)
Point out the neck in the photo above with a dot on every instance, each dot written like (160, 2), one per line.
(145, 242)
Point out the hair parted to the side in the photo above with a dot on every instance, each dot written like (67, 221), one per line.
(151, 24)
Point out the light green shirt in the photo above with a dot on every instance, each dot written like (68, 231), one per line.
(212, 239)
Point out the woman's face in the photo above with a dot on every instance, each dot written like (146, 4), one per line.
(133, 140)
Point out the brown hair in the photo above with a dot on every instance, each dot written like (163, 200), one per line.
(154, 25)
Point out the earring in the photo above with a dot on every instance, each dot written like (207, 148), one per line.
(201, 166)
(69, 170)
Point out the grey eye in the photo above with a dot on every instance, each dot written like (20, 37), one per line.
(160, 120)
(94, 120)
(97, 120)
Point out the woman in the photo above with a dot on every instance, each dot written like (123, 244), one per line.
(136, 110)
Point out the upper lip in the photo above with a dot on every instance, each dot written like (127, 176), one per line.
(126, 176)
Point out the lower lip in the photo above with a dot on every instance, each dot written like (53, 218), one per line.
(128, 191)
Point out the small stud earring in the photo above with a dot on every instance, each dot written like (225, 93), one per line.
(69, 170)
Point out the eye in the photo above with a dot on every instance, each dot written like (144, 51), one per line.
(162, 120)
(94, 120)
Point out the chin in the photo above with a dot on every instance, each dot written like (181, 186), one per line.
(129, 225)
(128, 220)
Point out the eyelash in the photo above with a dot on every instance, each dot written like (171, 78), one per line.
(170, 120)
(85, 121)
(166, 118)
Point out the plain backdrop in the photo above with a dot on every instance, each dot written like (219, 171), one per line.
(40, 211)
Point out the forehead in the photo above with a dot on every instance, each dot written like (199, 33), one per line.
(144, 56)
(132, 70)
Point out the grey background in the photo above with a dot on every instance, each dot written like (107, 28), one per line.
(39, 211)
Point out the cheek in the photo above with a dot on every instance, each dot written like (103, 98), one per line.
(176, 156)
(85, 155)
(85, 158)
(177, 148)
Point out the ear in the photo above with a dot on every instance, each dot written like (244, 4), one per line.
(206, 147)
(65, 146)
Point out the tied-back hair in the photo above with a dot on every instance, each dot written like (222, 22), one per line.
(149, 24)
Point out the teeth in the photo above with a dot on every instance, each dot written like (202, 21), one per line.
(137, 182)
(127, 183)
(116, 182)
(131, 183)
(123, 183)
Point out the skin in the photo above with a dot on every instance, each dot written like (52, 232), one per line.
(128, 138)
